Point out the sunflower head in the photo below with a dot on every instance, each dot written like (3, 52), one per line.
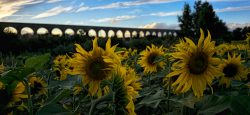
(148, 59)
(222, 49)
(10, 95)
(62, 67)
(198, 62)
(2, 68)
(123, 53)
(232, 69)
(38, 85)
(131, 84)
(194, 66)
(95, 65)
(2, 85)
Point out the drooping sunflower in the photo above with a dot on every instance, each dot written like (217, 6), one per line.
(148, 58)
(132, 85)
(232, 69)
(1, 68)
(38, 85)
(195, 66)
(94, 66)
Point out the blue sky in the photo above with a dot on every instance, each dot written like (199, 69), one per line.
(121, 13)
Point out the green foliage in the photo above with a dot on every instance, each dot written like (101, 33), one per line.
(237, 105)
(37, 62)
(139, 44)
(120, 96)
(52, 106)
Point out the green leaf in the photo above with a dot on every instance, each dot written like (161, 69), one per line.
(37, 62)
(53, 109)
(59, 96)
(240, 105)
(188, 101)
(211, 105)
(18, 74)
(51, 105)
(66, 84)
(153, 100)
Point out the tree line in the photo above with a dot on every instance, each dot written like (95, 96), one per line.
(205, 17)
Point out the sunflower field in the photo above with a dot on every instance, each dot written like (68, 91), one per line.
(185, 78)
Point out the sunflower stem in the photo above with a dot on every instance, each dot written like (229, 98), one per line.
(169, 88)
(183, 107)
(97, 101)
(30, 105)
(149, 82)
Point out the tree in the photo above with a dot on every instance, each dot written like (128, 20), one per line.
(205, 18)
(186, 23)
(237, 34)
(240, 33)
(196, 15)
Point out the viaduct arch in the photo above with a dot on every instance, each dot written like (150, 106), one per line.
(85, 30)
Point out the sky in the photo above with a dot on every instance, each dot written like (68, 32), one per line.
(161, 14)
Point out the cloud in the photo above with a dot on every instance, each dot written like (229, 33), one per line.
(114, 19)
(54, 11)
(232, 26)
(10, 7)
(135, 11)
(125, 4)
(83, 8)
(233, 9)
(156, 25)
(53, 1)
(163, 14)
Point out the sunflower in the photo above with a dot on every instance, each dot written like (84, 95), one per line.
(1, 68)
(77, 89)
(148, 58)
(94, 66)
(18, 93)
(132, 85)
(9, 97)
(232, 69)
(222, 49)
(248, 39)
(132, 52)
(62, 67)
(123, 53)
(38, 85)
(195, 66)
(1, 85)
(111, 54)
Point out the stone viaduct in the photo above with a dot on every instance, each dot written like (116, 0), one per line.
(87, 30)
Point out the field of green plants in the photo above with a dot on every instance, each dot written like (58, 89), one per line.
(144, 76)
